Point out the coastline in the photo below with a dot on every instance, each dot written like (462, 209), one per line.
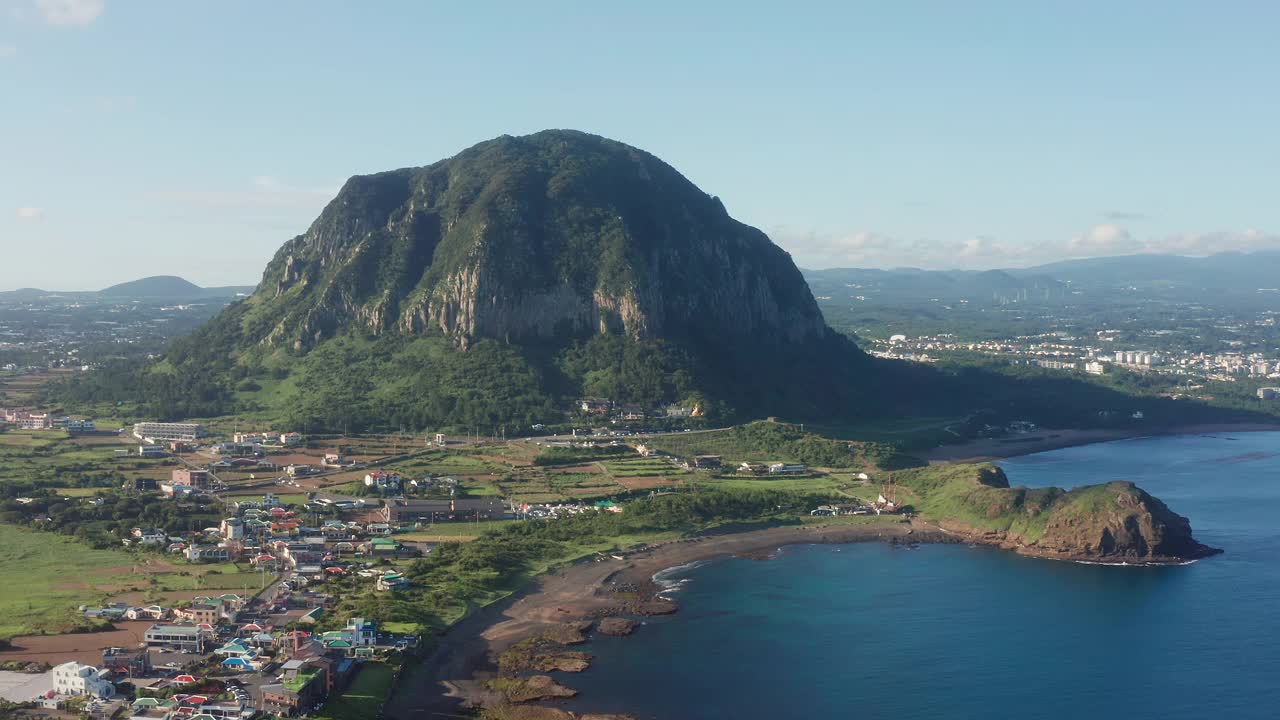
(987, 450)
(454, 676)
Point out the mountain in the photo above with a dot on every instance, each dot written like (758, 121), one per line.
(169, 287)
(915, 285)
(159, 287)
(165, 286)
(521, 273)
(1225, 278)
(1233, 271)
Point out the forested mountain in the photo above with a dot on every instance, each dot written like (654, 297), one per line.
(501, 283)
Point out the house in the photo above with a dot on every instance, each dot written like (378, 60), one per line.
(127, 662)
(81, 426)
(415, 510)
(631, 412)
(237, 449)
(73, 678)
(232, 528)
(753, 468)
(290, 439)
(706, 462)
(177, 492)
(594, 407)
(303, 684)
(152, 451)
(381, 546)
(385, 481)
(778, 468)
(153, 612)
(298, 470)
(201, 612)
(208, 553)
(390, 582)
(198, 479)
(258, 438)
(150, 536)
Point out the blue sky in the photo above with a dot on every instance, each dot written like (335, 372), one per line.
(185, 138)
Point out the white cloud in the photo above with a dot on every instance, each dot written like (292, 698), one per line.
(8, 51)
(263, 191)
(69, 12)
(1105, 239)
(30, 214)
(814, 249)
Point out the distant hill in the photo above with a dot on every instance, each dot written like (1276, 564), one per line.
(1223, 277)
(913, 284)
(1234, 271)
(159, 287)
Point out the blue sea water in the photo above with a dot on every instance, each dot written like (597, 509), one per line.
(870, 631)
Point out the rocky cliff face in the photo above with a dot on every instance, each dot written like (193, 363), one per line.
(1116, 522)
(552, 235)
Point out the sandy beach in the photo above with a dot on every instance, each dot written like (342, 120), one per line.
(985, 450)
(454, 676)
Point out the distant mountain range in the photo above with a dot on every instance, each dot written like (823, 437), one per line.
(1171, 276)
(158, 287)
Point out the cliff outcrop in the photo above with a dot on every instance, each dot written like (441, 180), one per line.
(1116, 522)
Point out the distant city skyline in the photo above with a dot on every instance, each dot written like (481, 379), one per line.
(149, 138)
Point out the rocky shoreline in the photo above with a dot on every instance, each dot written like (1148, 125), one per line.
(498, 657)
(488, 659)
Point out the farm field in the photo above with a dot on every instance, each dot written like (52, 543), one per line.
(44, 577)
(54, 458)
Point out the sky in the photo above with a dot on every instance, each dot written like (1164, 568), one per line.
(147, 137)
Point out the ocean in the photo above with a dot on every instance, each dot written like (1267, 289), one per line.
(951, 631)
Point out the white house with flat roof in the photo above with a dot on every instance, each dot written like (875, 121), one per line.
(73, 678)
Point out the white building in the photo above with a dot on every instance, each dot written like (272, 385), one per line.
(73, 678)
(167, 432)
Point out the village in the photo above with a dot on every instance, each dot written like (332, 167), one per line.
(302, 523)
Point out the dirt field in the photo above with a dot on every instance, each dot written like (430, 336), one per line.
(83, 647)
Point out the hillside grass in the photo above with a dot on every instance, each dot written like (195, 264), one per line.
(364, 699)
(977, 495)
(45, 577)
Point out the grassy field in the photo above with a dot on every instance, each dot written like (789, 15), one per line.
(45, 577)
(54, 458)
(452, 531)
(364, 699)
(909, 433)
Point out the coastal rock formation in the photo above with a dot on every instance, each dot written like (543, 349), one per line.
(533, 688)
(616, 626)
(1117, 522)
(545, 653)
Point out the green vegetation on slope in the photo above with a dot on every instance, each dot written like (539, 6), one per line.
(978, 496)
(774, 441)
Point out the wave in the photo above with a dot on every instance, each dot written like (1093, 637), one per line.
(1137, 564)
(668, 579)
